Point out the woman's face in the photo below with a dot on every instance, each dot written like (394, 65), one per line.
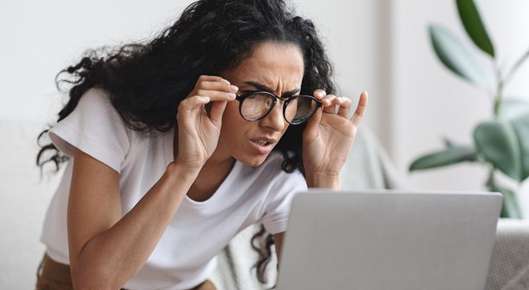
(278, 67)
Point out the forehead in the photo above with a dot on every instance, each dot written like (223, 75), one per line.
(275, 65)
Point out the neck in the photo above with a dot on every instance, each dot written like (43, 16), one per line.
(220, 160)
(212, 174)
(218, 165)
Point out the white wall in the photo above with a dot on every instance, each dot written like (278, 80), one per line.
(428, 101)
(46, 36)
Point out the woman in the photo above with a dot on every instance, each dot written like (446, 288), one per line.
(178, 144)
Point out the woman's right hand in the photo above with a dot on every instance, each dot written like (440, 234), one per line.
(198, 131)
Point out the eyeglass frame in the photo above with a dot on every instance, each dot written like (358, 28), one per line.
(241, 97)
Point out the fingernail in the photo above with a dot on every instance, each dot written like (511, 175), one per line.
(234, 88)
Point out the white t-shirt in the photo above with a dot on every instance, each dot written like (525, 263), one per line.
(185, 254)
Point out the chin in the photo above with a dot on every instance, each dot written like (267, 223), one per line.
(253, 160)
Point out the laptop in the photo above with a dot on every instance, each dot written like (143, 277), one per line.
(394, 240)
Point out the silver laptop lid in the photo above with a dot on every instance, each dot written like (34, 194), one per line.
(375, 240)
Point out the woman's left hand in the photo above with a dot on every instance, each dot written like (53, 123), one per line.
(328, 138)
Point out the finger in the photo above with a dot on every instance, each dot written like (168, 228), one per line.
(329, 104)
(217, 86)
(203, 78)
(360, 109)
(217, 95)
(328, 99)
(345, 105)
(217, 110)
(193, 103)
(319, 94)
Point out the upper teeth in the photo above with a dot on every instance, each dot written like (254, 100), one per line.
(261, 142)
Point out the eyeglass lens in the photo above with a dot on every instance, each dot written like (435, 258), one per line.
(297, 110)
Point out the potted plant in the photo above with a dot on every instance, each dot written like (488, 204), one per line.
(502, 142)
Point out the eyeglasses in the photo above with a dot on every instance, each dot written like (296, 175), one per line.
(256, 105)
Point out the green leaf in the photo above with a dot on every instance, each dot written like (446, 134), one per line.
(451, 155)
(505, 143)
(471, 19)
(520, 125)
(497, 143)
(455, 56)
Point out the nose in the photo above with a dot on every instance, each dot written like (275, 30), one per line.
(275, 120)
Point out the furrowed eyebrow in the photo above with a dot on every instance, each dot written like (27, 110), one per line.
(267, 89)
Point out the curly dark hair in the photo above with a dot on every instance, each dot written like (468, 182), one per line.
(147, 80)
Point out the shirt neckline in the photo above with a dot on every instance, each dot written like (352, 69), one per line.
(220, 189)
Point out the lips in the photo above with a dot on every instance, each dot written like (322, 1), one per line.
(263, 145)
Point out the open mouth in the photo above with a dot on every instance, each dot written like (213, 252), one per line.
(261, 142)
(263, 146)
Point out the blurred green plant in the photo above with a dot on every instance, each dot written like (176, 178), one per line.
(500, 143)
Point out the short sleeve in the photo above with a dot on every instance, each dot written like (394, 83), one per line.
(277, 206)
(95, 128)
